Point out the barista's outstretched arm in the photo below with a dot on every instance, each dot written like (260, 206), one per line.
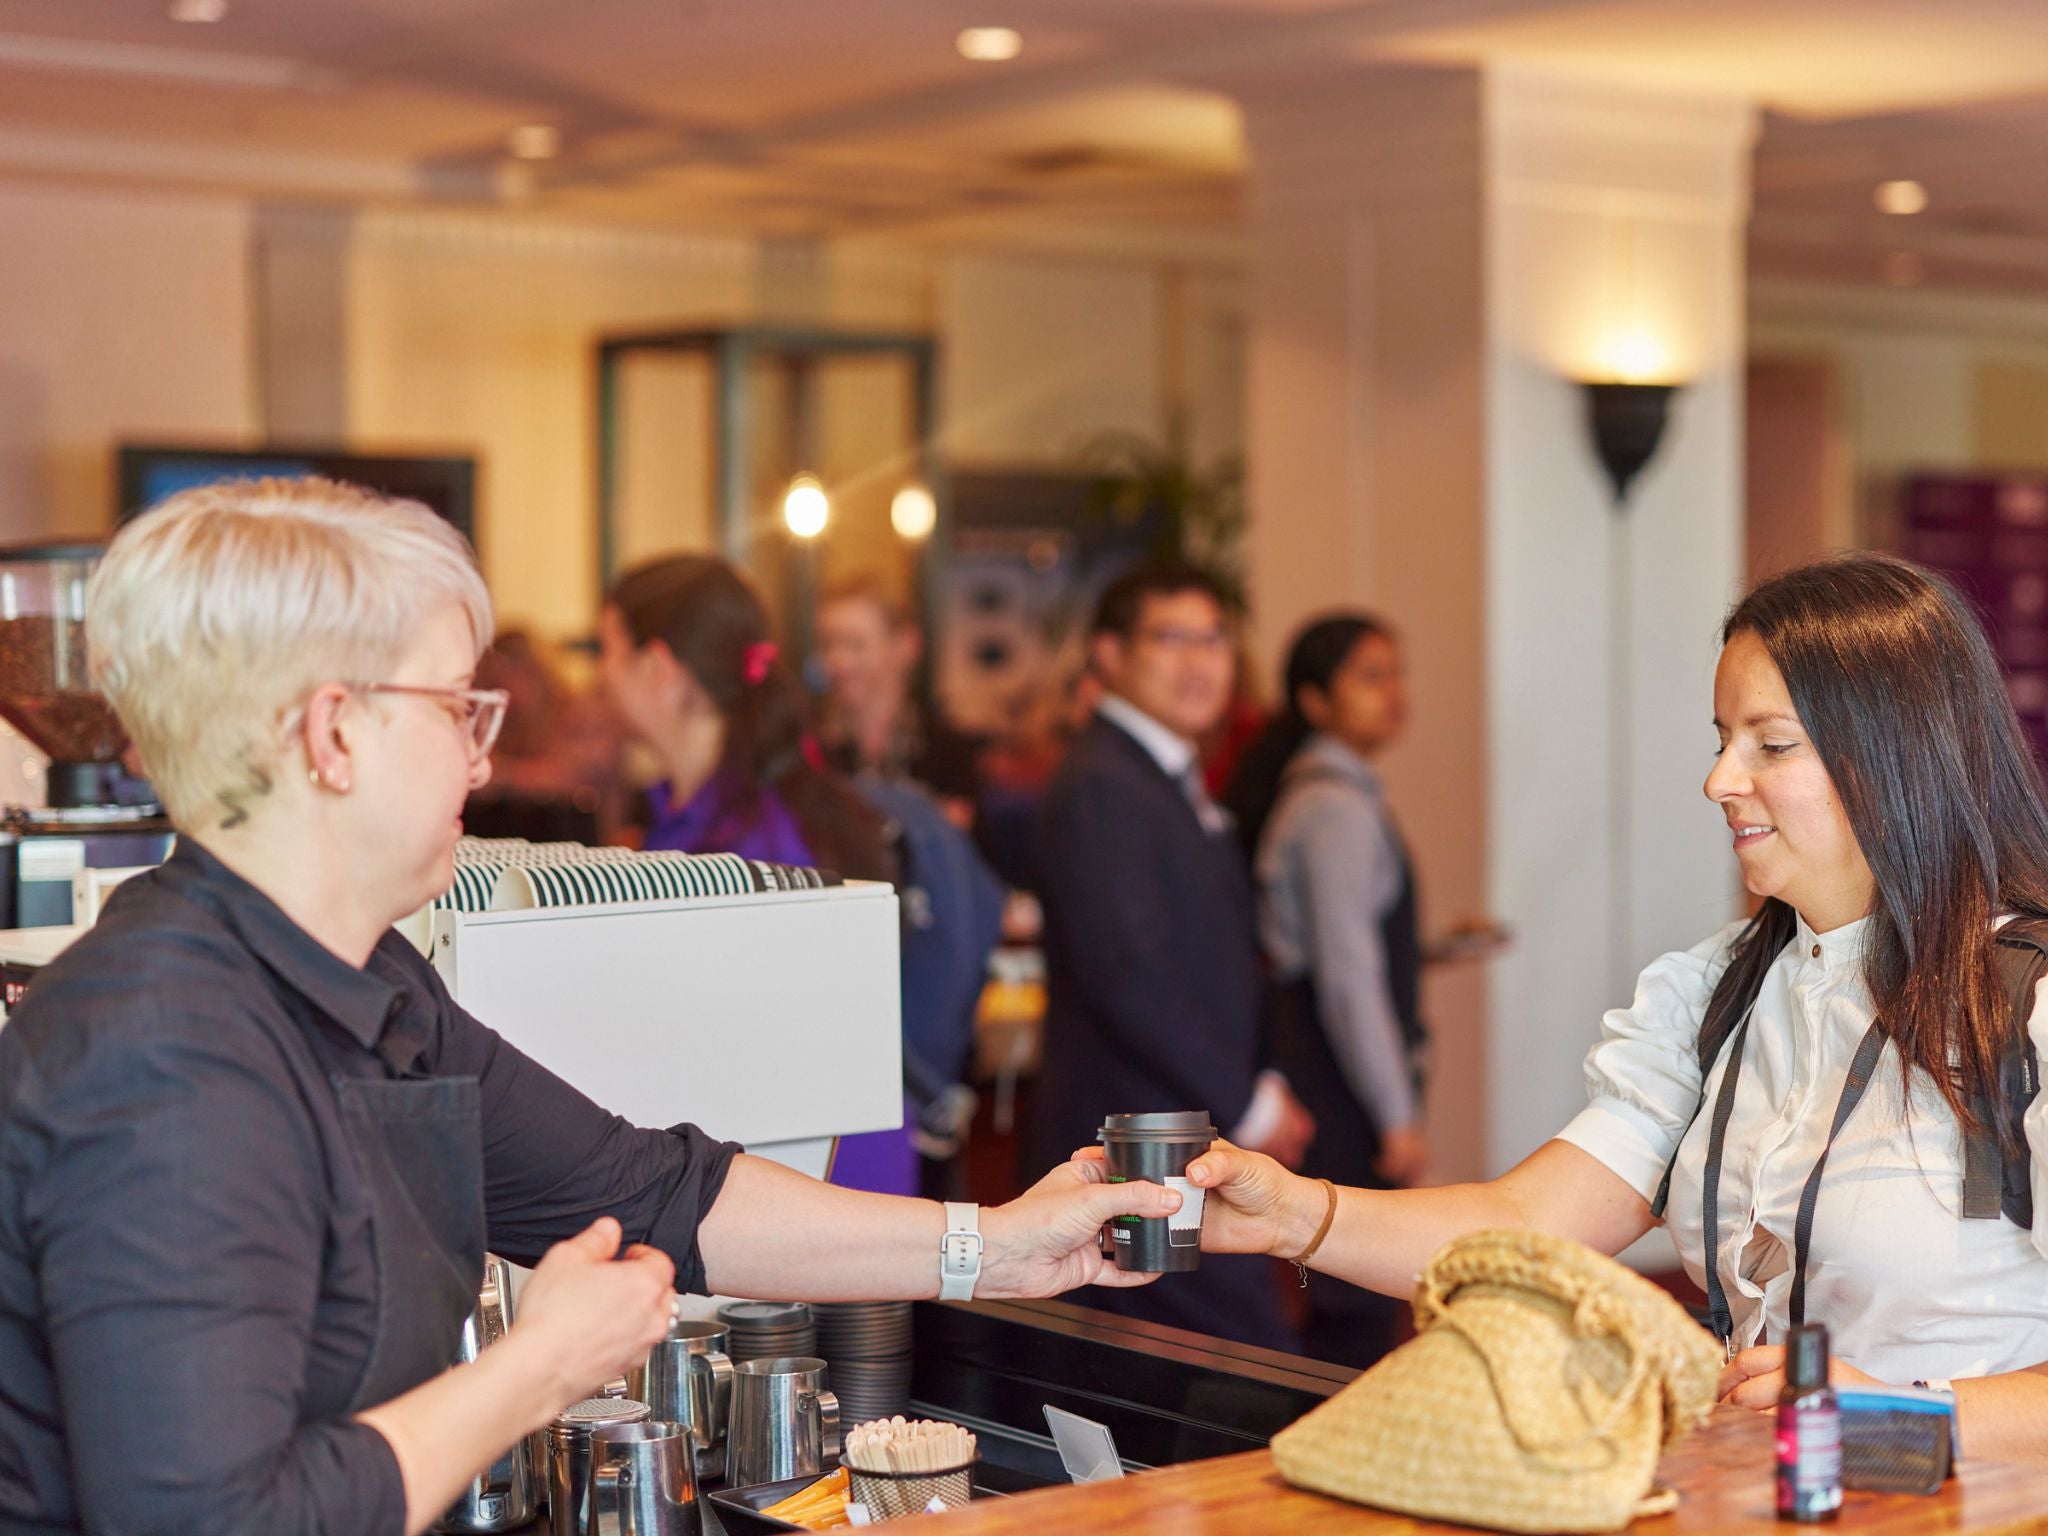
(773, 1231)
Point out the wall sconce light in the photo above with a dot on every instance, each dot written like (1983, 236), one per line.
(913, 513)
(1628, 424)
(805, 507)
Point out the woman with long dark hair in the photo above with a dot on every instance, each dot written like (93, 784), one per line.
(1830, 1105)
(1337, 915)
(692, 671)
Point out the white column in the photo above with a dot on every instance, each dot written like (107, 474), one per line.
(300, 263)
(1364, 443)
(1438, 256)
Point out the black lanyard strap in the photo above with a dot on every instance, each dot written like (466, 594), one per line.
(1862, 1067)
(1710, 1200)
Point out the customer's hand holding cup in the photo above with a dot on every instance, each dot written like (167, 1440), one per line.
(1156, 1148)
(1250, 1204)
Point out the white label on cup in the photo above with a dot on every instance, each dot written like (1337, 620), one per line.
(1189, 1217)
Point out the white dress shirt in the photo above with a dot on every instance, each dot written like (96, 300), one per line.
(1908, 1289)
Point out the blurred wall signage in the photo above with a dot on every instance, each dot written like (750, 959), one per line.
(1989, 533)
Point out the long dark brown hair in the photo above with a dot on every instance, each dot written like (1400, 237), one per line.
(1318, 652)
(1895, 684)
(713, 621)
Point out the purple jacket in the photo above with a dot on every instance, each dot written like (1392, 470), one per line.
(715, 821)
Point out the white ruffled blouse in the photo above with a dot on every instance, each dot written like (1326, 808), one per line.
(1908, 1290)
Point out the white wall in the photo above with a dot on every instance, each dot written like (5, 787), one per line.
(120, 317)
(1606, 209)
(1042, 354)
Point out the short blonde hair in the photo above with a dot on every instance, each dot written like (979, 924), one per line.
(213, 617)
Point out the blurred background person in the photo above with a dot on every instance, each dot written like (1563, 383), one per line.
(555, 771)
(869, 648)
(1155, 995)
(693, 673)
(1337, 913)
(924, 779)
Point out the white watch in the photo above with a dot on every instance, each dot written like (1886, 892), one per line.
(960, 1252)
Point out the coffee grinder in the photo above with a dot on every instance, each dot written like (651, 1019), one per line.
(95, 813)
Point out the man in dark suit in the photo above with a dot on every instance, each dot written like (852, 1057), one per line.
(1154, 988)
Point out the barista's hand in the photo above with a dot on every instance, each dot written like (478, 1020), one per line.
(1755, 1378)
(596, 1313)
(1048, 1239)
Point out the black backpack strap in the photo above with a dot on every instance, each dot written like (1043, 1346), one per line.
(1995, 1183)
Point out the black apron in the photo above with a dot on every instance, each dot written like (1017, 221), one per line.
(419, 1145)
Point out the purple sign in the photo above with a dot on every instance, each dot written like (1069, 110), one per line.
(1989, 534)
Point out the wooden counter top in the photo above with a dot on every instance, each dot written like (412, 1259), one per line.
(1723, 1473)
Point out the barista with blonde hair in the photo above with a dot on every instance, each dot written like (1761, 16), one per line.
(251, 1152)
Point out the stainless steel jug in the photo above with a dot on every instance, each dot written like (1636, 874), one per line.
(687, 1380)
(784, 1423)
(507, 1493)
(643, 1480)
(569, 1457)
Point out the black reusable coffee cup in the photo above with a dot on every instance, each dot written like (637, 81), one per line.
(1157, 1148)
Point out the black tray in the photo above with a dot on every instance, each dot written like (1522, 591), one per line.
(739, 1509)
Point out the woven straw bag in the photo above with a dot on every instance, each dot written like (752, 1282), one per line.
(1542, 1385)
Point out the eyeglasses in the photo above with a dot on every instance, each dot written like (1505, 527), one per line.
(1175, 638)
(479, 711)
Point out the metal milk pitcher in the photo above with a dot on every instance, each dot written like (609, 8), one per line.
(784, 1423)
(687, 1380)
(643, 1481)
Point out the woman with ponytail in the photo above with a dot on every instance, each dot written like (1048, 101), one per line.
(693, 673)
(1337, 916)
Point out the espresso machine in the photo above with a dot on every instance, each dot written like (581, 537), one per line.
(79, 807)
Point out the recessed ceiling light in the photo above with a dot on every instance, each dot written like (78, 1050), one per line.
(1901, 197)
(535, 141)
(989, 45)
(197, 11)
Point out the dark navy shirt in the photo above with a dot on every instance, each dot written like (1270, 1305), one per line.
(187, 1287)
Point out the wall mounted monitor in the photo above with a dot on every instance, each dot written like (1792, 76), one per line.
(147, 474)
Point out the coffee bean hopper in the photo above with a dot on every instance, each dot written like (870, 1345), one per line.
(94, 813)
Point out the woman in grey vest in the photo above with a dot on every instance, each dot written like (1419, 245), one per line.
(1337, 914)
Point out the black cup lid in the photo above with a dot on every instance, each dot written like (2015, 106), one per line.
(1159, 1125)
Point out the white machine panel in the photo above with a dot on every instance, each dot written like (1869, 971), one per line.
(769, 1018)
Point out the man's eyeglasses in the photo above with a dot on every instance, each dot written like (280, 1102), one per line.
(479, 711)
(1176, 638)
